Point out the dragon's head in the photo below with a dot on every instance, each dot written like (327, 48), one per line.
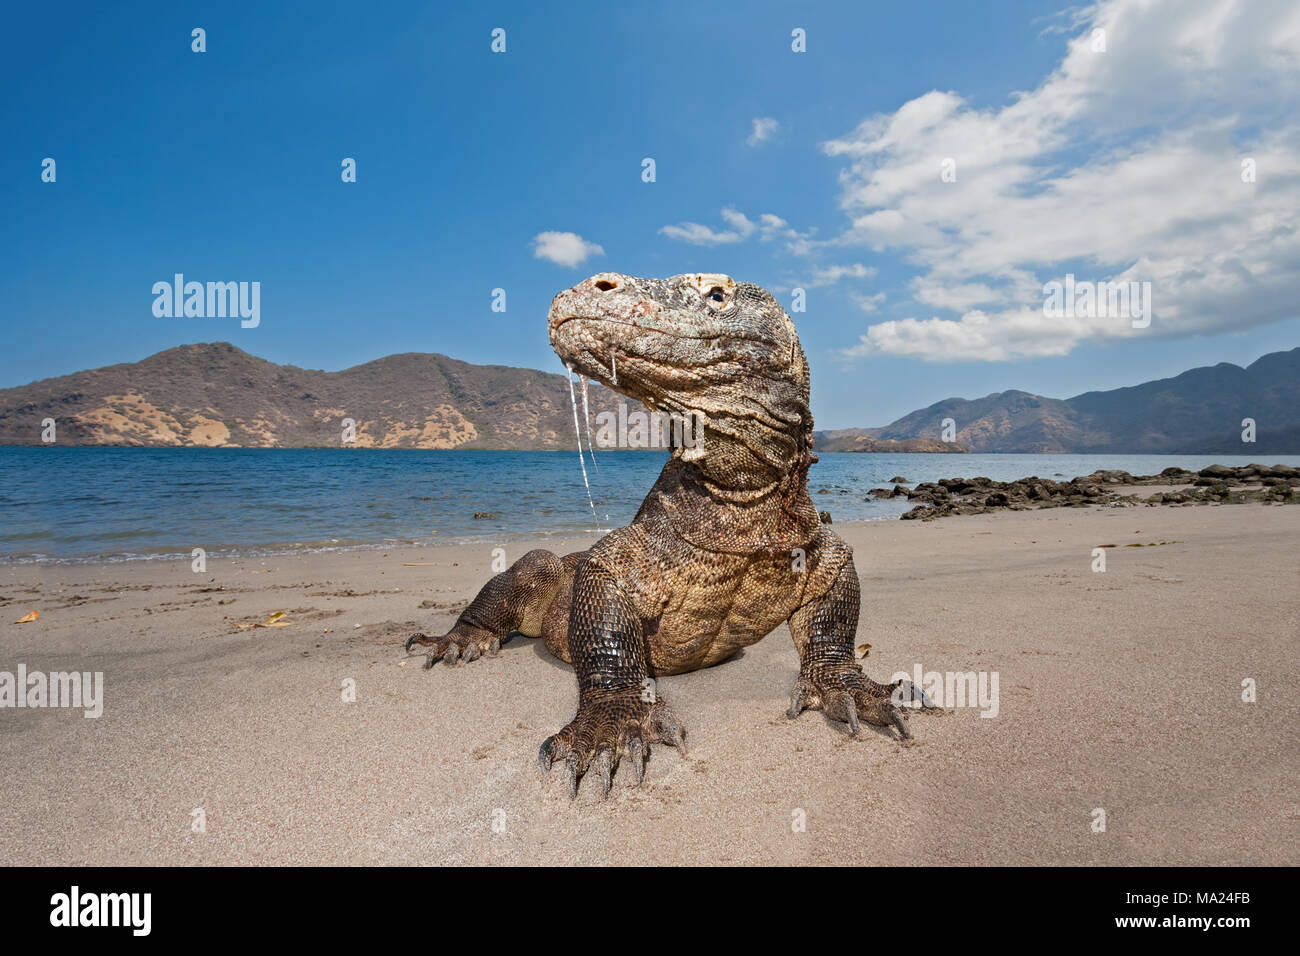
(699, 345)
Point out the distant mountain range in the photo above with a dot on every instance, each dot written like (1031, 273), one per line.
(1197, 412)
(214, 394)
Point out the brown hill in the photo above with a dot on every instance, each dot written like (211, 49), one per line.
(865, 440)
(215, 394)
(1200, 411)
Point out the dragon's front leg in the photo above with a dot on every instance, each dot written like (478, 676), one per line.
(618, 710)
(514, 600)
(829, 677)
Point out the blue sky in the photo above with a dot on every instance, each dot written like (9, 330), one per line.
(225, 165)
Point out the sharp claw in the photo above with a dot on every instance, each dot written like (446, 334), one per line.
(411, 640)
(430, 659)
(670, 732)
(636, 758)
(798, 700)
(494, 647)
(604, 766)
(573, 775)
(899, 724)
(452, 653)
(545, 755)
(471, 652)
(851, 714)
(908, 691)
(555, 747)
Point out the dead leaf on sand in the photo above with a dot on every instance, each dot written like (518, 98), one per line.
(275, 620)
(28, 618)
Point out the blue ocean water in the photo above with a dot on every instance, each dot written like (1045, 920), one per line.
(71, 504)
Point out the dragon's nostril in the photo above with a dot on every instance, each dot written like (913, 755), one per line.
(605, 285)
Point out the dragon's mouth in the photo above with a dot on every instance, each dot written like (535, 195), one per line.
(666, 369)
(602, 358)
(580, 343)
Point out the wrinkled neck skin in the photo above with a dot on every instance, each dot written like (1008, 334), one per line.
(744, 486)
(735, 497)
(742, 463)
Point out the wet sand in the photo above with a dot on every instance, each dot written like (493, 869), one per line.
(1118, 690)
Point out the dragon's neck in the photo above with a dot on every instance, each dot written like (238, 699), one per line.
(748, 466)
(757, 494)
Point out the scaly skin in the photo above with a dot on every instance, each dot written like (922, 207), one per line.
(726, 546)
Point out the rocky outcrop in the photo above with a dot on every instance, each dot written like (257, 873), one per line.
(1217, 484)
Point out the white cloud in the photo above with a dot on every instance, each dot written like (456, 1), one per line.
(699, 235)
(867, 303)
(741, 227)
(764, 129)
(564, 248)
(1120, 165)
(833, 274)
(738, 221)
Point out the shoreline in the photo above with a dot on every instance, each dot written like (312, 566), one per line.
(1213, 485)
(1119, 690)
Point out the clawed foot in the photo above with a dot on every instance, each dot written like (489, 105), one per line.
(609, 729)
(458, 644)
(844, 693)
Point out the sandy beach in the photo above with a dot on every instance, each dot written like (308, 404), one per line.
(1119, 690)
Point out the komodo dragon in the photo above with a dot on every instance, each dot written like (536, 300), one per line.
(726, 546)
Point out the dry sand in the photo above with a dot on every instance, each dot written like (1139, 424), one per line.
(1118, 690)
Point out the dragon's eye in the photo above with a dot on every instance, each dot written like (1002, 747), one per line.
(717, 295)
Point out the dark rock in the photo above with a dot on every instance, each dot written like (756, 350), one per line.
(899, 479)
(825, 516)
(480, 515)
(1112, 476)
(980, 495)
